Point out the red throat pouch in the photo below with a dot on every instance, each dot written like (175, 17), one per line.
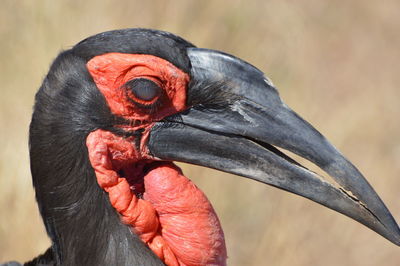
(169, 213)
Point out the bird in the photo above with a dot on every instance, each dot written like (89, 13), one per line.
(116, 111)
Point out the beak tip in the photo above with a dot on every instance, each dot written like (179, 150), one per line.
(397, 237)
(392, 233)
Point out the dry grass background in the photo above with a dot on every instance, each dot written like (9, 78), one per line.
(337, 63)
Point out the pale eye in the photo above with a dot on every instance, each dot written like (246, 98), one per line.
(144, 89)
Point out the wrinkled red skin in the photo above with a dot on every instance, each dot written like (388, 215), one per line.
(111, 71)
(168, 212)
(189, 223)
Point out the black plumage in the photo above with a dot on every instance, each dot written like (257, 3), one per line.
(83, 226)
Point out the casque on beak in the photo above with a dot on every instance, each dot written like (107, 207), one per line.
(236, 128)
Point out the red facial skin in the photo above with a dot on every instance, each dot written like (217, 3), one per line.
(111, 71)
(169, 213)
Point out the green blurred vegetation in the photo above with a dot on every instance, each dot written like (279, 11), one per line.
(335, 62)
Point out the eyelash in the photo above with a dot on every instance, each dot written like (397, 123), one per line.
(150, 108)
(140, 103)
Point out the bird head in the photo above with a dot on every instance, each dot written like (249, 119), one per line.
(134, 98)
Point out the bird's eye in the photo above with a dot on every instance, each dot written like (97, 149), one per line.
(144, 89)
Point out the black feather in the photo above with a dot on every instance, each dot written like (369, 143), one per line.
(137, 41)
(210, 96)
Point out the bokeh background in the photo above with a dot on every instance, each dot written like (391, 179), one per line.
(337, 63)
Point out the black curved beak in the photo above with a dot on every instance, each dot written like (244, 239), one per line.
(237, 120)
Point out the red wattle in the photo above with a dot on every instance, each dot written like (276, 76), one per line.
(174, 218)
(189, 224)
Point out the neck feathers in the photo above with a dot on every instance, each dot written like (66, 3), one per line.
(83, 226)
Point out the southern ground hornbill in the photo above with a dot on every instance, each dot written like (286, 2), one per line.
(113, 113)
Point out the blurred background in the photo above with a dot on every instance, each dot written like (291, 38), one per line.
(337, 63)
